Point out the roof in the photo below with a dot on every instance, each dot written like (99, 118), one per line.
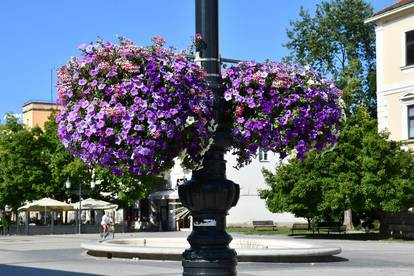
(394, 8)
(38, 102)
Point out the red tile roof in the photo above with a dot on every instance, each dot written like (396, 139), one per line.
(396, 5)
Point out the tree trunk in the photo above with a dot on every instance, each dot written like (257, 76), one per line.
(309, 223)
(348, 220)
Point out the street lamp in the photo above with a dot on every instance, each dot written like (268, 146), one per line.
(68, 184)
(209, 195)
(93, 184)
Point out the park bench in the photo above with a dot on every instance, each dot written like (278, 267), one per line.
(264, 223)
(329, 227)
(299, 227)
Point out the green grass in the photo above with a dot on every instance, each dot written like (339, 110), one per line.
(281, 230)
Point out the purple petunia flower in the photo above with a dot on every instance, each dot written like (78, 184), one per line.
(125, 107)
(288, 109)
(94, 72)
(109, 131)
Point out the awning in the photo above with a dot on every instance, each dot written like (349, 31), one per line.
(165, 194)
(46, 204)
(94, 204)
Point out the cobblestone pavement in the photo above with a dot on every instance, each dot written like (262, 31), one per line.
(61, 255)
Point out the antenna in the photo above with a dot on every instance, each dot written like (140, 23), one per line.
(51, 86)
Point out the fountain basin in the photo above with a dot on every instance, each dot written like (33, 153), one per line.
(248, 249)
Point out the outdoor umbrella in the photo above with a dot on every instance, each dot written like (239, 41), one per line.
(94, 204)
(46, 204)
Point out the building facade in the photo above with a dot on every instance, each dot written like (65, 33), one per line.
(394, 28)
(250, 178)
(36, 113)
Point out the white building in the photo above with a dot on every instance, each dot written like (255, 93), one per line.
(250, 178)
(394, 28)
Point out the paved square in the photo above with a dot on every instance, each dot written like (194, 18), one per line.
(61, 255)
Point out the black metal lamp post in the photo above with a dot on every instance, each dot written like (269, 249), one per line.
(68, 185)
(209, 195)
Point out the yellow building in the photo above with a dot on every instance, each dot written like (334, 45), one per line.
(36, 113)
(394, 28)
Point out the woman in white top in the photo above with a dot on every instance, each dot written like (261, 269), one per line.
(106, 221)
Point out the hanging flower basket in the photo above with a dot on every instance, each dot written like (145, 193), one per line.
(281, 109)
(134, 109)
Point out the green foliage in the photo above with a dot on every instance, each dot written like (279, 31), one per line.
(364, 172)
(336, 41)
(23, 170)
(127, 188)
(35, 164)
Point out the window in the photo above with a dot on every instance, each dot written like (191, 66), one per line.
(409, 45)
(410, 122)
(263, 154)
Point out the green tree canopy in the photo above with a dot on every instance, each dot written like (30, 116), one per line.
(127, 188)
(23, 169)
(364, 172)
(336, 42)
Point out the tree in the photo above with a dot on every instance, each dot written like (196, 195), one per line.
(23, 170)
(128, 188)
(337, 42)
(290, 192)
(365, 172)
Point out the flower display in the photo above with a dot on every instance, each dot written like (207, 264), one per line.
(280, 108)
(134, 109)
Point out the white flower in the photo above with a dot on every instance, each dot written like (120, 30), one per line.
(311, 82)
(190, 120)
(212, 126)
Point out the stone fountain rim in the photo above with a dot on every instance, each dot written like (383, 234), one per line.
(114, 248)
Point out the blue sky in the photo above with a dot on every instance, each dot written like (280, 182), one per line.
(39, 36)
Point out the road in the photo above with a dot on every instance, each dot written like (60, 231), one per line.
(60, 255)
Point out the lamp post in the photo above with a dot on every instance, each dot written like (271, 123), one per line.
(209, 195)
(68, 184)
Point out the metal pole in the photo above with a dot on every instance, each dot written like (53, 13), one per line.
(51, 86)
(80, 207)
(209, 195)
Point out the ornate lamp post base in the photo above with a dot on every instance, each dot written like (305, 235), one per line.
(208, 195)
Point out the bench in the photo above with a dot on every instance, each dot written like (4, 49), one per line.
(299, 227)
(264, 223)
(330, 227)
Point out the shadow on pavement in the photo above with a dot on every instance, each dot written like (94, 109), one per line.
(293, 259)
(12, 270)
(350, 237)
